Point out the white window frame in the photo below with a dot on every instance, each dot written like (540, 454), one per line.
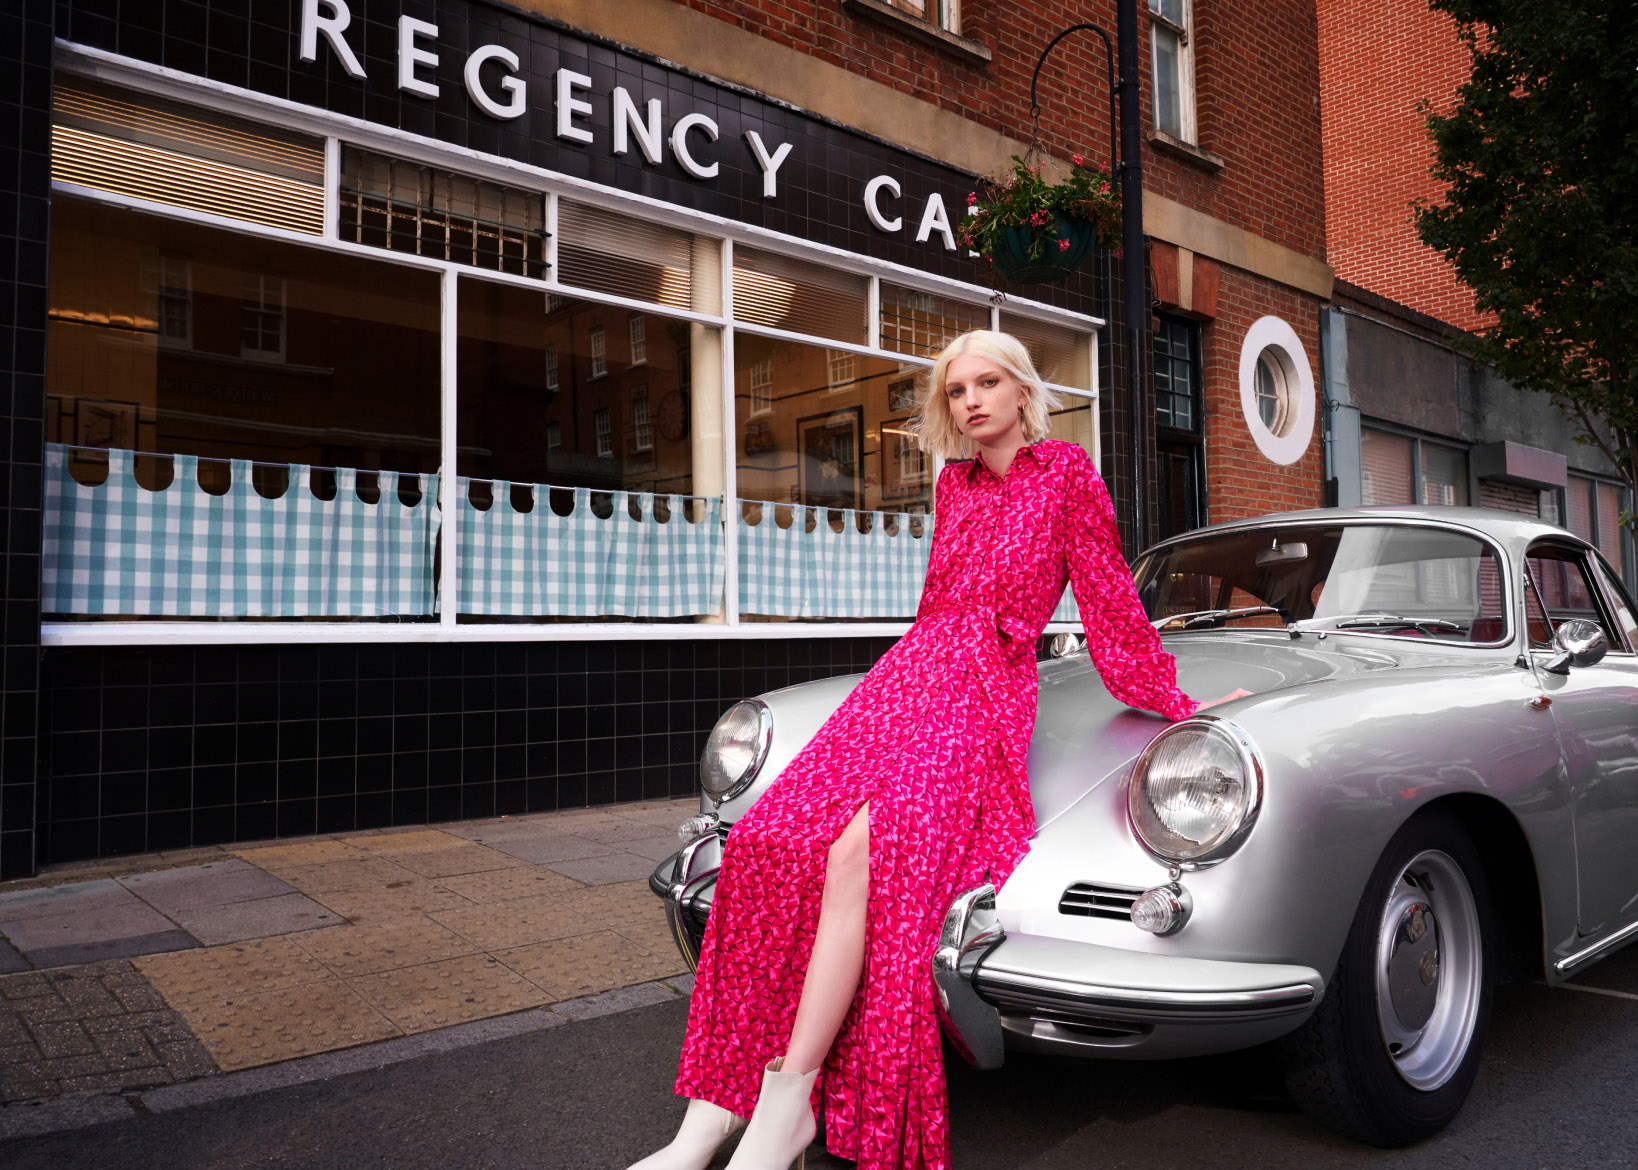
(944, 14)
(554, 436)
(603, 428)
(165, 271)
(259, 311)
(597, 347)
(762, 386)
(637, 335)
(842, 368)
(76, 60)
(1159, 26)
(551, 368)
(642, 429)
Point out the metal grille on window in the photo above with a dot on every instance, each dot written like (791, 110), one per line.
(407, 207)
(166, 152)
(922, 323)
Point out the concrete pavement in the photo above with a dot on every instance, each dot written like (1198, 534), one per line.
(134, 973)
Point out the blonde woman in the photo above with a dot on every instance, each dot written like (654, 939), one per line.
(816, 962)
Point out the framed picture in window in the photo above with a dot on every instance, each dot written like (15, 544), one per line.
(102, 423)
(828, 460)
(901, 395)
(904, 463)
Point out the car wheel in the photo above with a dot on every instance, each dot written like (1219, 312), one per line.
(1390, 1053)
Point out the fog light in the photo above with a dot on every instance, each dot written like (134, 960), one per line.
(1162, 910)
(697, 825)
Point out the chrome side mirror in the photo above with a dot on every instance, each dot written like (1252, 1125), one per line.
(1063, 645)
(1580, 643)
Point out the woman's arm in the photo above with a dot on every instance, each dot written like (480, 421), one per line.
(1124, 646)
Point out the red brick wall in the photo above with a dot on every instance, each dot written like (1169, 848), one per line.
(1240, 479)
(1377, 60)
(1257, 84)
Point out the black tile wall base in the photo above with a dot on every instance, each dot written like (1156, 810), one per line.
(165, 747)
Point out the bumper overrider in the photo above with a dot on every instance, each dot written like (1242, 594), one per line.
(1034, 993)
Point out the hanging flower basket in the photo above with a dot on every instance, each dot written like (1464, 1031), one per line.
(1013, 263)
(1032, 230)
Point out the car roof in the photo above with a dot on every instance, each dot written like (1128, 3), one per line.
(1511, 530)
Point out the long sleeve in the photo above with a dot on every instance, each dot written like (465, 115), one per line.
(941, 514)
(1124, 646)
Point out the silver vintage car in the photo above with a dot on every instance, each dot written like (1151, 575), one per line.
(1433, 788)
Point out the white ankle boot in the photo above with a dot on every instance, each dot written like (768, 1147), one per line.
(705, 1127)
(782, 1124)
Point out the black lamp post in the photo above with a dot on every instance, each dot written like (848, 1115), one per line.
(1127, 156)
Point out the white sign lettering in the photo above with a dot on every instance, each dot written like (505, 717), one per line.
(679, 144)
(934, 218)
(315, 23)
(768, 162)
(514, 85)
(873, 190)
(628, 122)
(568, 105)
(410, 57)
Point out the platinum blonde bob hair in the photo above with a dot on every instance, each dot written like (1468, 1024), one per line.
(935, 428)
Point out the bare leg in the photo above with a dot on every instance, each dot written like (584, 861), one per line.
(837, 961)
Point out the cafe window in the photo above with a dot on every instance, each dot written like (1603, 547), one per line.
(1402, 469)
(252, 426)
(179, 457)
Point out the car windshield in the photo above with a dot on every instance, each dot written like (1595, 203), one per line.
(1409, 580)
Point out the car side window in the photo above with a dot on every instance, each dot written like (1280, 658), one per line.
(1561, 582)
(1625, 615)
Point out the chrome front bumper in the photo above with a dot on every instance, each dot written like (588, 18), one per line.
(1031, 993)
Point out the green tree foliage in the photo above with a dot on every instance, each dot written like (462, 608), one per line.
(1540, 161)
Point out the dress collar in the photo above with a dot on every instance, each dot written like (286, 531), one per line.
(1041, 452)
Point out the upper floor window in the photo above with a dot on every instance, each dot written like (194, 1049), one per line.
(642, 430)
(551, 367)
(762, 386)
(637, 327)
(170, 280)
(599, 346)
(604, 431)
(944, 13)
(1171, 65)
(261, 319)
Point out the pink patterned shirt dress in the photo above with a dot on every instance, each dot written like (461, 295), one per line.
(934, 737)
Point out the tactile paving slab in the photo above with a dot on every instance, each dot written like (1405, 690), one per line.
(285, 914)
(588, 963)
(270, 1026)
(507, 885)
(276, 857)
(408, 895)
(398, 942)
(459, 858)
(231, 971)
(436, 995)
(512, 924)
(411, 841)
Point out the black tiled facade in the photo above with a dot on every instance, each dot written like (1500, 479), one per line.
(25, 214)
(120, 749)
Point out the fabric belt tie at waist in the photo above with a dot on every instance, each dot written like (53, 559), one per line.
(999, 659)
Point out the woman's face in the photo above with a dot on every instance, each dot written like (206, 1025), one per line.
(984, 400)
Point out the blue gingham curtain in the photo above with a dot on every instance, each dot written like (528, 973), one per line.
(792, 572)
(537, 563)
(825, 573)
(118, 548)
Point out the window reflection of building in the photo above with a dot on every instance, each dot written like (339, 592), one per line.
(597, 341)
(637, 332)
(262, 317)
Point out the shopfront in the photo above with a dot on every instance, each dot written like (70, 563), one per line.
(447, 413)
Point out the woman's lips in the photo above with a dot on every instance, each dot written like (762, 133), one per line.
(974, 419)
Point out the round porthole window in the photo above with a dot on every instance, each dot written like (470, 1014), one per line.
(1277, 390)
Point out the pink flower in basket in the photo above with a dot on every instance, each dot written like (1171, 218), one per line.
(1063, 245)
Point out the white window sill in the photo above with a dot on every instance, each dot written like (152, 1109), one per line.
(969, 50)
(1187, 151)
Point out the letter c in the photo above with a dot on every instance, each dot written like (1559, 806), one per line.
(872, 193)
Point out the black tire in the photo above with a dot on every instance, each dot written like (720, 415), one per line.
(1338, 1066)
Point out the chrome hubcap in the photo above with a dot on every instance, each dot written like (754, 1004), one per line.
(1429, 970)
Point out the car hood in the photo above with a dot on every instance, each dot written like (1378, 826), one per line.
(1084, 736)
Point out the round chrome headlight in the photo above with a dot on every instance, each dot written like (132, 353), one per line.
(738, 745)
(1195, 792)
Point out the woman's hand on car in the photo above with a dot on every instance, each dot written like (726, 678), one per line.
(1236, 693)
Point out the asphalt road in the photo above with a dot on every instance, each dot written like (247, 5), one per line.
(1556, 1090)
